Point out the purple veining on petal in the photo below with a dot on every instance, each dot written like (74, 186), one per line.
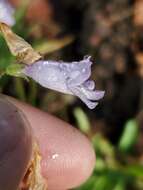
(6, 13)
(70, 78)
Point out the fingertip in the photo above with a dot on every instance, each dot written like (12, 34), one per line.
(68, 158)
(69, 162)
(16, 145)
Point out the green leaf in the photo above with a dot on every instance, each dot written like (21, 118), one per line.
(120, 185)
(82, 120)
(89, 184)
(100, 164)
(135, 170)
(129, 136)
(102, 146)
(101, 183)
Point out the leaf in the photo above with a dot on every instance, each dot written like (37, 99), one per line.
(102, 146)
(21, 12)
(19, 47)
(129, 136)
(101, 183)
(53, 45)
(82, 120)
(135, 170)
(89, 184)
(120, 185)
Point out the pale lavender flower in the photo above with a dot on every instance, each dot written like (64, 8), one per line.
(6, 13)
(70, 78)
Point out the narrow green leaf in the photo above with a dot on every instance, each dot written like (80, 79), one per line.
(129, 136)
(82, 120)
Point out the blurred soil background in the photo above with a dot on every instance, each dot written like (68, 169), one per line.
(112, 32)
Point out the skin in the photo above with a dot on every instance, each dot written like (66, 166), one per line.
(15, 145)
(67, 156)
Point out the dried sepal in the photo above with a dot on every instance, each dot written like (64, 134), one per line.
(18, 46)
(15, 70)
(33, 179)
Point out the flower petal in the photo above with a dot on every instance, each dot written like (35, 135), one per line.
(89, 84)
(93, 95)
(77, 92)
(6, 13)
(77, 72)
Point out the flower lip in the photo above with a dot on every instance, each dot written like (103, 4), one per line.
(89, 84)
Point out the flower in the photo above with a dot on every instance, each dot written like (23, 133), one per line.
(70, 78)
(6, 13)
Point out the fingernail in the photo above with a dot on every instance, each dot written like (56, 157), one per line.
(15, 145)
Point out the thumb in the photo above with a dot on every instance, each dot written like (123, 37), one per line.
(15, 145)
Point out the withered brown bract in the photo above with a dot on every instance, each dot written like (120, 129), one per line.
(33, 180)
(18, 46)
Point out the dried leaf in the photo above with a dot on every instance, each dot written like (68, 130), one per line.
(18, 46)
(33, 179)
(54, 45)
